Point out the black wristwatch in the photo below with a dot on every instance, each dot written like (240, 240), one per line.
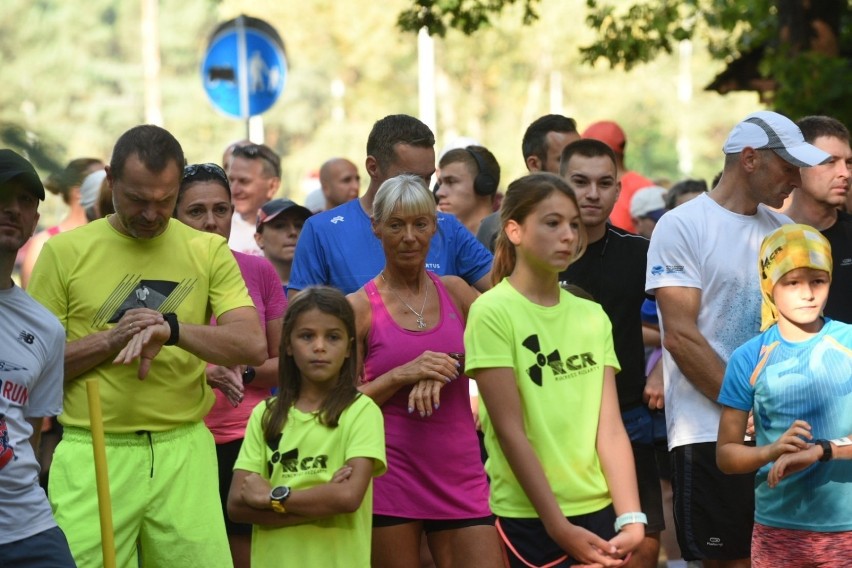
(277, 497)
(248, 375)
(174, 328)
(826, 449)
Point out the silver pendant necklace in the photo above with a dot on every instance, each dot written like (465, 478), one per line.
(420, 322)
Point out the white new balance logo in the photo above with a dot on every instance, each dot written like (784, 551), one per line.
(337, 219)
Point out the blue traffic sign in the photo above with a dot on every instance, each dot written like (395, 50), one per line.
(244, 68)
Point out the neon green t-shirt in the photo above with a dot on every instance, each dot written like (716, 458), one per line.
(558, 355)
(89, 276)
(308, 454)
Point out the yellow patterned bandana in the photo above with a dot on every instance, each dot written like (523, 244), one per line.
(786, 249)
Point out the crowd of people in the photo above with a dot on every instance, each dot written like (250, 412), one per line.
(589, 369)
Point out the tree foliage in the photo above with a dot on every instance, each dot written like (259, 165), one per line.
(794, 53)
(467, 16)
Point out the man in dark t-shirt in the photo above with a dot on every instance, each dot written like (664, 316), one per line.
(612, 270)
(818, 203)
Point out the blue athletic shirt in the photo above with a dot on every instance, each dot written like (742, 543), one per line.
(338, 248)
(784, 381)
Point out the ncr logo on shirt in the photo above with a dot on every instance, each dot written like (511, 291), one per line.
(572, 366)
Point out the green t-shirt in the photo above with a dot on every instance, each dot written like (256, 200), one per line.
(558, 355)
(308, 454)
(89, 276)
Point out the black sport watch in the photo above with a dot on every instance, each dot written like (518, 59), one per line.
(248, 375)
(826, 449)
(277, 497)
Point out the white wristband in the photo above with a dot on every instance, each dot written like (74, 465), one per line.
(630, 518)
(840, 442)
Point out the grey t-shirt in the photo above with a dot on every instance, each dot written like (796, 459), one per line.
(32, 348)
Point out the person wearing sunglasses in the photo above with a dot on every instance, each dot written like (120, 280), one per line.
(254, 174)
(204, 203)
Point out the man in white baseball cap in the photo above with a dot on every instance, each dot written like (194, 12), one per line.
(767, 130)
(701, 268)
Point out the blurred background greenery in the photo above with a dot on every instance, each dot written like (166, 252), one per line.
(73, 81)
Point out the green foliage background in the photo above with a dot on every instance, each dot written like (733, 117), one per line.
(72, 80)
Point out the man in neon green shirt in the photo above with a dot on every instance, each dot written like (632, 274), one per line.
(135, 293)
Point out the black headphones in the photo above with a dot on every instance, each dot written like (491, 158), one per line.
(484, 183)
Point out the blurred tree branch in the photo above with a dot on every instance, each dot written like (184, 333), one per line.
(467, 16)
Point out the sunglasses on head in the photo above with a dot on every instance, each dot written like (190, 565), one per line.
(214, 170)
(255, 151)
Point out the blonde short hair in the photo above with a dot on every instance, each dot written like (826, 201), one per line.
(404, 194)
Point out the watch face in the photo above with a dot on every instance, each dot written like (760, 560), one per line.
(280, 493)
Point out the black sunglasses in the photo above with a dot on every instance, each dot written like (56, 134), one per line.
(214, 170)
(255, 151)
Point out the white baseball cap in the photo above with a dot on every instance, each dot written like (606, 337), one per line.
(769, 130)
(649, 202)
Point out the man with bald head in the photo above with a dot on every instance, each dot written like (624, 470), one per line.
(339, 181)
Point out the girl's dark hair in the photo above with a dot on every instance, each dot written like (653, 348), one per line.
(329, 301)
(522, 196)
(72, 176)
(684, 187)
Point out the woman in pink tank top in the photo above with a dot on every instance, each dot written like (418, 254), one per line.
(204, 203)
(410, 336)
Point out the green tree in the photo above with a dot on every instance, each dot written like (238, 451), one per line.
(794, 53)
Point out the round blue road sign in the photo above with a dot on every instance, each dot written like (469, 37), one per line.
(244, 69)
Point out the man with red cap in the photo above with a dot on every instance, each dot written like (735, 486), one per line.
(611, 134)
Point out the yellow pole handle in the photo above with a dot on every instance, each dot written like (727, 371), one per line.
(101, 474)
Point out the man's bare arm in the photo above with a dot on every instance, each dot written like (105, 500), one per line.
(237, 338)
(90, 351)
(693, 354)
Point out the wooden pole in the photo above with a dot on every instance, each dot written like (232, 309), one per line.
(101, 473)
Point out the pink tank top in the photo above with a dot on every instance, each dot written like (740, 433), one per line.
(434, 466)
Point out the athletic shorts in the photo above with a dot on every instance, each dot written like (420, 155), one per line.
(164, 492)
(226, 456)
(527, 544)
(641, 425)
(47, 548)
(433, 525)
(713, 511)
(772, 547)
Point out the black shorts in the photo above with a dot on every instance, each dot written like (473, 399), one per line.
(226, 454)
(713, 511)
(527, 543)
(432, 525)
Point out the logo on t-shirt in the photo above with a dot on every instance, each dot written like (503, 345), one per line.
(134, 292)
(291, 463)
(26, 337)
(573, 365)
(338, 219)
(6, 450)
(658, 269)
(553, 360)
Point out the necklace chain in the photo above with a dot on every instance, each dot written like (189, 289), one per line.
(420, 322)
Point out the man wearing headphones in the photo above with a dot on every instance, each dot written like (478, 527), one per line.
(468, 184)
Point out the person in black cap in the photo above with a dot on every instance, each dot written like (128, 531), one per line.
(32, 342)
(279, 223)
